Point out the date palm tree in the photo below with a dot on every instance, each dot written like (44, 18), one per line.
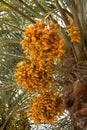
(71, 72)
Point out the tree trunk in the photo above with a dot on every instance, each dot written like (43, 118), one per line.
(76, 103)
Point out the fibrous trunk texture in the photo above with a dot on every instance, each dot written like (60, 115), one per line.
(76, 103)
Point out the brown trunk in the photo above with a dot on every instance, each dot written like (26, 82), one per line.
(76, 103)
